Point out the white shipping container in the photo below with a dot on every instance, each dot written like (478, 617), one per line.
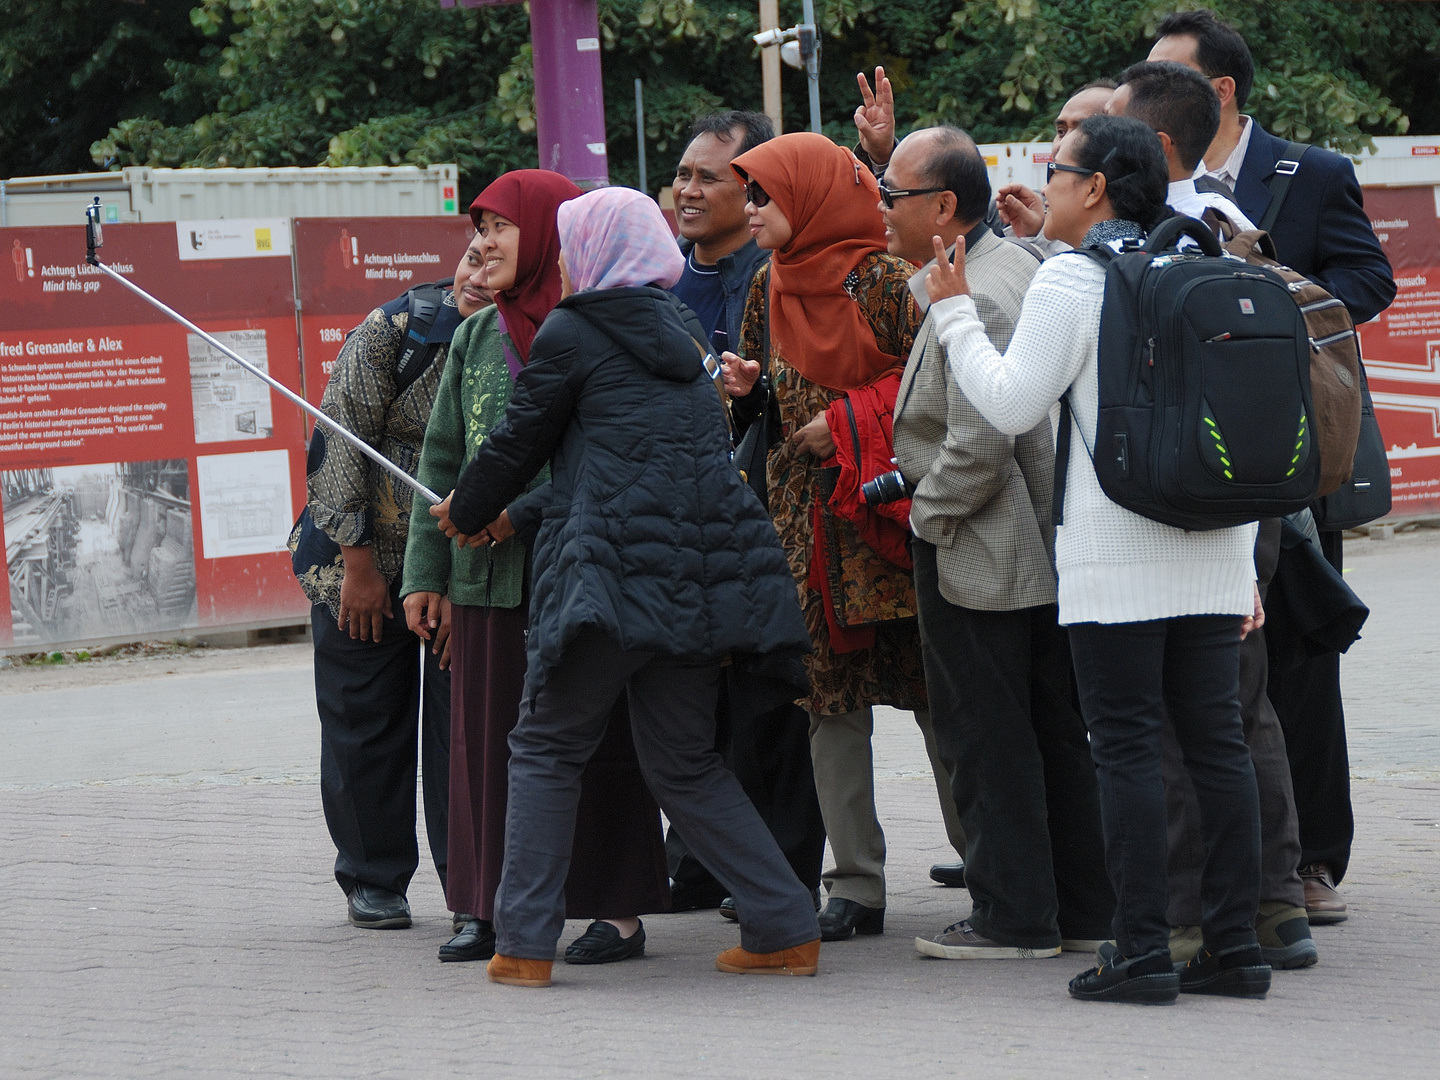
(141, 193)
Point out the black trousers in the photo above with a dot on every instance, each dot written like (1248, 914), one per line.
(1279, 828)
(368, 697)
(1006, 725)
(770, 756)
(1306, 696)
(563, 717)
(1132, 676)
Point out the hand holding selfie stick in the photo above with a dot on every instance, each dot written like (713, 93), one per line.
(94, 239)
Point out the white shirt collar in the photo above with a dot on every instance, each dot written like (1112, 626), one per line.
(1229, 173)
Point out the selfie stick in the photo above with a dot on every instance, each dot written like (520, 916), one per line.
(94, 240)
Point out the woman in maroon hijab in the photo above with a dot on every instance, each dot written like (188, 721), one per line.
(617, 868)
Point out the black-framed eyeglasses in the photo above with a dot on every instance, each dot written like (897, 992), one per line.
(888, 195)
(756, 195)
(1051, 168)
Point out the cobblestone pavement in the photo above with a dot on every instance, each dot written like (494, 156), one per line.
(172, 914)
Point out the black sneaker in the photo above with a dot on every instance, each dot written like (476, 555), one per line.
(1238, 972)
(1144, 980)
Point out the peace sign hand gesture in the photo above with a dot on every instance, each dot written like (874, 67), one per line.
(875, 119)
(945, 279)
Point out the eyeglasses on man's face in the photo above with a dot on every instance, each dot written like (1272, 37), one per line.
(888, 195)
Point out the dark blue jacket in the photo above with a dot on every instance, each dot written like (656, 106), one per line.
(649, 535)
(737, 270)
(1322, 231)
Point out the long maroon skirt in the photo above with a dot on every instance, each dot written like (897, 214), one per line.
(617, 864)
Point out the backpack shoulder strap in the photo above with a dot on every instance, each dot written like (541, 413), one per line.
(417, 352)
(708, 360)
(1206, 182)
(1279, 183)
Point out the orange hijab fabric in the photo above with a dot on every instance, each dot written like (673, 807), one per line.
(830, 200)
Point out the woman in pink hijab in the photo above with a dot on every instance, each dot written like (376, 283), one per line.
(654, 566)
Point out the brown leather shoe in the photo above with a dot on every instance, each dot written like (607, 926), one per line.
(1322, 903)
(800, 960)
(513, 971)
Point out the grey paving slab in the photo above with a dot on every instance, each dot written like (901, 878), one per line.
(171, 913)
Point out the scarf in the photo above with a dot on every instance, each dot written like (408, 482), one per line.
(615, 236)
(529, 198)
(1112, 232)
(831, 202)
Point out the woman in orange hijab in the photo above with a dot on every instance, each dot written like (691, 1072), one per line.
(841, 321)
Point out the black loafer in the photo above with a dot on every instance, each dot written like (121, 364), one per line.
(1239, 972)
(727, 909)
(475, 941)
(375, 908)
(458, 919)
(949, 874)
(1140, 980)
(602, 944)
(841, 918)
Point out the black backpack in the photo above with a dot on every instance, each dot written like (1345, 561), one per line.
(1204, 379)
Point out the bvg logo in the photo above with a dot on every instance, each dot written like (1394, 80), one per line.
(197, 241)
(24, 260)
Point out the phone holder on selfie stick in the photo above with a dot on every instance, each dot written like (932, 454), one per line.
(94, 239)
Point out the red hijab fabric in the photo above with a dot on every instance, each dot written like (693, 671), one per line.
(831, 201)
(529, 198)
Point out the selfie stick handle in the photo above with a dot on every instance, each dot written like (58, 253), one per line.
(354, 440)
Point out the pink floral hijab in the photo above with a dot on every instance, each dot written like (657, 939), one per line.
(613, 237)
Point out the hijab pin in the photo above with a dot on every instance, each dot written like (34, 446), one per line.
(856, 163)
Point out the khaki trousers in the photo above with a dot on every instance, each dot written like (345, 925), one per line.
(845, 783)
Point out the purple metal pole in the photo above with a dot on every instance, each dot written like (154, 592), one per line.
(569, 96)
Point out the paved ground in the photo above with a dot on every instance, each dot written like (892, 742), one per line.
(171, 913)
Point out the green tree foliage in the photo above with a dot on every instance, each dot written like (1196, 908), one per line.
(368, 82)
(70, 69)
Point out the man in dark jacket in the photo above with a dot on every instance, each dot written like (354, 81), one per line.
(1322, 231)
(769, 754)
(654, 563)
(348, 549)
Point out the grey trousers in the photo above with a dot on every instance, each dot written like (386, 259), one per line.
(672, 716)
(845, 783)
(1279, 824)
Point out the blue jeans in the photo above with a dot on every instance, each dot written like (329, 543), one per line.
(1131, 675)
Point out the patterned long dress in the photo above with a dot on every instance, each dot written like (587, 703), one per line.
(891, 673)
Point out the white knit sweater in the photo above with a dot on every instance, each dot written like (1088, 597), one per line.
(1115, 566)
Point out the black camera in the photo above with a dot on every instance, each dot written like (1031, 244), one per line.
(886, 488)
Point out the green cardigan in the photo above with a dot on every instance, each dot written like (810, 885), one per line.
(474, 391)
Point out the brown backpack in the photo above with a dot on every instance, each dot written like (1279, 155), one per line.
(1334, 352)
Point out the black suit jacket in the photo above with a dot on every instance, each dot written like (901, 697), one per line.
(1323, 230)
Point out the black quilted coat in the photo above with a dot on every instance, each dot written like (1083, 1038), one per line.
(649, 534)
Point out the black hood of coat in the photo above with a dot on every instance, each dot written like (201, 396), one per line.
(645, 322)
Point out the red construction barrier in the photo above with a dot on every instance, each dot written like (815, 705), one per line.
(346, 267)
(1402, 347)
(148, 483)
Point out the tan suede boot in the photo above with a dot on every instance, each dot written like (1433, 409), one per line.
(512, 971)
(800, 960)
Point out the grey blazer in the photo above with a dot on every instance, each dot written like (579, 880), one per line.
(982, 498)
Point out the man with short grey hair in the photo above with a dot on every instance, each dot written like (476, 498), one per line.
(997, 664)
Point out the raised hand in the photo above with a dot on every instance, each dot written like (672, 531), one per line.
(875, 118)
(946, 279)
(1020, 208)
(738, 375)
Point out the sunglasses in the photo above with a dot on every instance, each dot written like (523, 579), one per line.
(756, 195)
(1051, 168)
(888, 195)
